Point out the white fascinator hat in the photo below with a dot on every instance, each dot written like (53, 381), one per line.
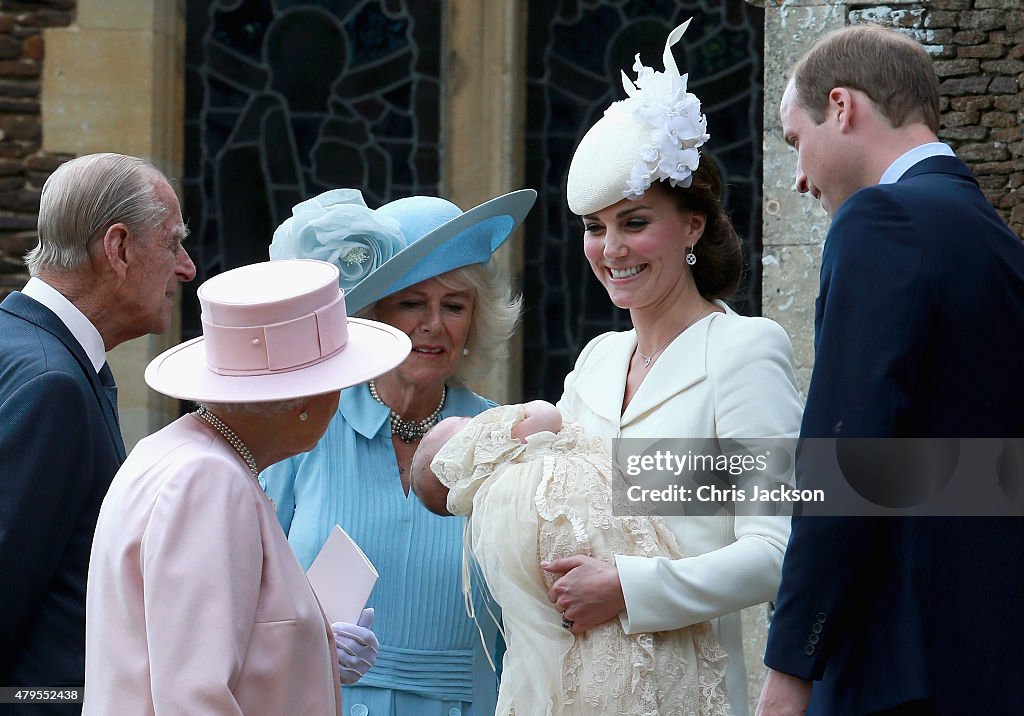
(652, 135)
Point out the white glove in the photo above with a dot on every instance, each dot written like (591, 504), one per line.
(357, 647)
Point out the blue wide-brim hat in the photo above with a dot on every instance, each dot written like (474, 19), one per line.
(380, 252)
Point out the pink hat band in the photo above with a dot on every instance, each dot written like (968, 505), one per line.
(258, 350)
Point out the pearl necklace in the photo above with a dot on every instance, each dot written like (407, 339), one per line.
(663, 346)
(233, 440)
(410, 430)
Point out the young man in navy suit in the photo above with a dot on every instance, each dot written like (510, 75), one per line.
(919, 333)
(106, 269)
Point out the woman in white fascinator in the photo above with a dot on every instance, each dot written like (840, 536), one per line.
(658, 240)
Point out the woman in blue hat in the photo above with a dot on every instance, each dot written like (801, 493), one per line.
(419, 264)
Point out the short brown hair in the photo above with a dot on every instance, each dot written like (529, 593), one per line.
(719, 267)
(893, 70)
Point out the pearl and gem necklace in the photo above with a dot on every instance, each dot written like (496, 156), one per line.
(410, 430)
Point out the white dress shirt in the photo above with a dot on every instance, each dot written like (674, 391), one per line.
(908, 159)
(81, 327)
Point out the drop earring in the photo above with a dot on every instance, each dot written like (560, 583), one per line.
(465, 351)
(691, 258)
(303, 416)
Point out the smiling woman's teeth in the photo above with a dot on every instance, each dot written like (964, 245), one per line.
(427, 350)
(626, 273)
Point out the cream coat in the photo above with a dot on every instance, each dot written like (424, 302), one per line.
(726, 376)
(195, 602)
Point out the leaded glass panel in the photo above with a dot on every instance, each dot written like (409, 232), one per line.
(286, 99)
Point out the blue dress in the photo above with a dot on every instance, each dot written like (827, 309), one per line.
(431, 660)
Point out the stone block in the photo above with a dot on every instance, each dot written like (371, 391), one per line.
(19, 127)
(1008, 103)
(937, 37)
(943, 18)
(19, 106)
(1007, 38)
(964, 85)
(988, 169)
(943, 104)
(974, 134)
(9, 167)
(1010, 134)
(985, 52)
(1016, 52)
(45, 18)
(19, 88)
(791, 281)
(999, 119)
(24, 200)
(10, 221)
(983, 19)
(19, 68)
(970, 37)
(46, 162)
(80, 116)
(10, 49)
(32, 47)
(6, 22)
(1004, 85)
(11, 182)
(1003, 67)
(970, 104)
(959, 119)
(987, 152)
(37, 179)
(1014, 21)
(956, 68)
(997, 4)
(20, 243)
(119, 15)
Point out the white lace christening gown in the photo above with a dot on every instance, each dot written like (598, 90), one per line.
(547, 499)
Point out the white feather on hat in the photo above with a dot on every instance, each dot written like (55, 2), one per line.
(652, 135)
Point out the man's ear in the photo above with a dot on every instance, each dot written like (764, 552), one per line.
(116, 249)
(841, 107)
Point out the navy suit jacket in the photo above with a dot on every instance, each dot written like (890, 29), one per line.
(919, 332)
(59, 449)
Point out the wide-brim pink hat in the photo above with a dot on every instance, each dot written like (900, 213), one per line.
(274, 331)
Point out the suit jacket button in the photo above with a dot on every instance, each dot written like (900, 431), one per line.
(816, 628)
(820, 617)
(809, 649)
(813, 639)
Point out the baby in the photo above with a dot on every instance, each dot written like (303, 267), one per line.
(536, 490)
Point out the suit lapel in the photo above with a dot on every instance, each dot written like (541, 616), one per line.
(27, 309)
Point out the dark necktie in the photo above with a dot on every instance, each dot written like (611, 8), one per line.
(110, 388)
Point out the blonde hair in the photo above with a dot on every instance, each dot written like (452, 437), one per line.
(495, 315)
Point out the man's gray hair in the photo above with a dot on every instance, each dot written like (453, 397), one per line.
(86, 196)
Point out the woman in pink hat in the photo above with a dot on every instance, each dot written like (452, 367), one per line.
(195, 602)
(419, 264)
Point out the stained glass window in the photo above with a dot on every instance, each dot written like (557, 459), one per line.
(576, 50)
(287, 99)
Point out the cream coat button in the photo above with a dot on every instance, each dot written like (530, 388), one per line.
(359, 710)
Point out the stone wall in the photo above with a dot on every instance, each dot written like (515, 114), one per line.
(23, 166)
(978, 46)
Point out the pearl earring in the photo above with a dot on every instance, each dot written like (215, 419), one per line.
(465, 351)
(303, 416)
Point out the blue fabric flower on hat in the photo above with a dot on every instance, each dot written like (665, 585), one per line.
(338, 227)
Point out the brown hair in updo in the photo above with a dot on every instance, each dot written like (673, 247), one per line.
(719, 267)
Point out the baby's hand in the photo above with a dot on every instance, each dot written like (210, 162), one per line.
(539, 416)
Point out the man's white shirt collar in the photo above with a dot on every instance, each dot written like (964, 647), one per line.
(81, 327)
(908, 159)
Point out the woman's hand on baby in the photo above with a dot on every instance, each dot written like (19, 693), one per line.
(356, 646)
(588, 592)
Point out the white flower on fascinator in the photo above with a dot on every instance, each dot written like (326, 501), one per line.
(660, 102)
(338, 227)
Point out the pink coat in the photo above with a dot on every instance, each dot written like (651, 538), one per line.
(195, 602)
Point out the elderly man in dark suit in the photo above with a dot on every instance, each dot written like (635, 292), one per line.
(919, 332)
(106, 269)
